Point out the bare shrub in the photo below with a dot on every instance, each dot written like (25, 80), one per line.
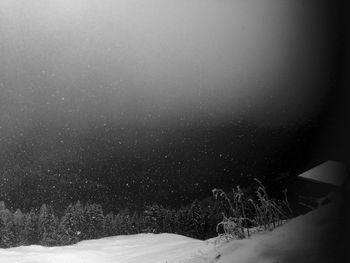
(260, 212)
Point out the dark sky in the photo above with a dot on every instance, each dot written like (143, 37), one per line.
(116, 81)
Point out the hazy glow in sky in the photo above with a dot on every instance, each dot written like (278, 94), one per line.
(259, 58)
(156, 99)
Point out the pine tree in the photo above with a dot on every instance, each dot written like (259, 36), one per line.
(73, 224)
(169, 221)
(109, 227)
(154, 218)
(31, 228)
(181, 222)
(135, 226)
(7, 238)
(94, 221)
(124, 222)
(18, 227)
(47, 226)
(195, 216)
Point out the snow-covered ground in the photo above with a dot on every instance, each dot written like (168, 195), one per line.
(307, 238)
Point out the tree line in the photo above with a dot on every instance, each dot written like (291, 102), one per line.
(88, 221)
(229, 215)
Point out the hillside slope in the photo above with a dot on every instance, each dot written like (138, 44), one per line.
(308, 238)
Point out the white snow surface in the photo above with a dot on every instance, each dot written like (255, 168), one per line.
(300, 240)
(132, 248)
